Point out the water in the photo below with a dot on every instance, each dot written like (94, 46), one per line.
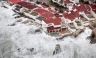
(17, 37)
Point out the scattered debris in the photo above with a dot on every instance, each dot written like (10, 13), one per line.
(18, 16)
(92, 37)
(22, 15)
(27, 21)
(20, 20)
(92, 24)
(37, 30)
(12, 24)
(66, 35)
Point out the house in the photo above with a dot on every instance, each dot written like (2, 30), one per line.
(26, 8)
(84, 10)
(72, 18)
(49, 21)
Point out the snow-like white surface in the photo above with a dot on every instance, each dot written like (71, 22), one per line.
(17, 37)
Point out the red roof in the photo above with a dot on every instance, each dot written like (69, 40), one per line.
(52, 28)
(72, 15)
(55, 21)
(93, 6)
(51, 10)
(44, 6)
(59, 15)
(40, 10)
(27, 5)
(87, 6)
(82, 7)
(14, 1)
(47, 15)
(75, 7)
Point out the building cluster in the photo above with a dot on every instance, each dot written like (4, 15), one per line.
(77, 16)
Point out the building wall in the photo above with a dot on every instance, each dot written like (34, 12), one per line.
(44, 24)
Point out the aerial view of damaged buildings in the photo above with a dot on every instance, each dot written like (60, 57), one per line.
(72, 16)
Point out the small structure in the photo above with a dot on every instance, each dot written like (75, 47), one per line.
(57, 49)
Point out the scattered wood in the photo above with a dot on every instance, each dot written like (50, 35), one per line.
(92, 24)
(20, 20)
(66, 35)
(27, 21)
(77, 32)
(23, 15)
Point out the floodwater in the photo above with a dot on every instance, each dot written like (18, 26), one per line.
(16, 42)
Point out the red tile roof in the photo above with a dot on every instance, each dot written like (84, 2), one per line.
(82, 8)
(55, 21)
(87, 6)
(27, 5)
(93, 6)
(40, 10)
(94, 11)
(52, 28)
(59, 15)
(47, 15)
(44, 6)
(72, 15)
(51, 10)
(14, 1)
